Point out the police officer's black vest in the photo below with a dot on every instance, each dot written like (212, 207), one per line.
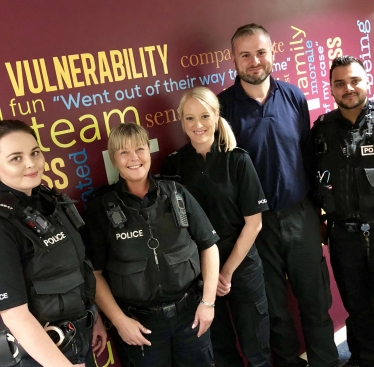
(345, 186)
(133, 273)
(58, 278)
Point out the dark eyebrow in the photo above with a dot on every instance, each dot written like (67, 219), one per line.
(18, 153)
(351, 78)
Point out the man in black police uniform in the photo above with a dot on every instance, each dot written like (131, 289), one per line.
(344, 159)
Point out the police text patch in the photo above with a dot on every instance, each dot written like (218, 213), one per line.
(367, 150)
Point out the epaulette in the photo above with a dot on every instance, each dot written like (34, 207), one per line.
(8, 205)
(180, 149)
(241, 149)
(320, 118)
(100, 191)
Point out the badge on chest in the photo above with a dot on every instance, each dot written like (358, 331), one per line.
(367, 150)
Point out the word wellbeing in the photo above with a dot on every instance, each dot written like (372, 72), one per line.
(79, 70)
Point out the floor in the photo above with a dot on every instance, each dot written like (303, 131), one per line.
(341, 342)
(344, 353)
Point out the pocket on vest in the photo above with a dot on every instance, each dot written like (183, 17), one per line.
(366, 188)
(57, 296)
(183, 267)
(128, 279)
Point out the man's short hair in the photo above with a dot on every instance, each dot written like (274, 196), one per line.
(248, 30)
(344, 61)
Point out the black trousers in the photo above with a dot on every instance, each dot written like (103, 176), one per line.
(353, 269)
(249, 310)
(174, 344)
(289, 245)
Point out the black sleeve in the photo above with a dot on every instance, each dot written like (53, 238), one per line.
(222, 105)
(94, 233)
(310, 161)
(200, 228)
(251, 197)
(12, 284)
(169, 166)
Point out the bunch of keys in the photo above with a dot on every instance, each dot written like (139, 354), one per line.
(365, 229)
(153, 244)
(154, 241)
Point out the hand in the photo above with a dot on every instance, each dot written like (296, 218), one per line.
(131, 332)
(324, 233)
(99, 337)
(223, 286)
(204, 315)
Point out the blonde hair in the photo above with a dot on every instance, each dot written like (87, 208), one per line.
(126, 135)
(208, 99)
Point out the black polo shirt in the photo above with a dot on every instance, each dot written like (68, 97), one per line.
(225, 185)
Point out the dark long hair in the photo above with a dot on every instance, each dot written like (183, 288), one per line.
(14, 126)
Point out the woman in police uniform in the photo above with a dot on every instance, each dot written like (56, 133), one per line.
(145, 236)
(44, 276)
(224, 182)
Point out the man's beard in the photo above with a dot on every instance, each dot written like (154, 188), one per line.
(360, 101)
(254, 80)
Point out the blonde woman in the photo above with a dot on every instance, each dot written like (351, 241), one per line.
(222, 179)
(146, 236)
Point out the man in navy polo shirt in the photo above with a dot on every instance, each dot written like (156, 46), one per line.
(270, 120)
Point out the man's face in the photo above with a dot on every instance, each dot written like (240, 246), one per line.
(349, 85)
(253, 57)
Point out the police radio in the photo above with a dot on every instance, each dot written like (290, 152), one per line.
(116, 215)
(36, 221)
(179, 209)
(71, 211)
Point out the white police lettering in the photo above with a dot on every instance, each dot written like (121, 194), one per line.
(263, 201)
(367, 150)
(126, 235)
(56, 238)
(3, 296)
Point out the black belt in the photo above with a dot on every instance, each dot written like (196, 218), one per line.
(164, 311)
(354, 226)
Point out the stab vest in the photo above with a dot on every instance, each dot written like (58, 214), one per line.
(345, 163)
(136, 272)
(58, 277)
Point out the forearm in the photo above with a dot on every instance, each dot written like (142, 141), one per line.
(106, 302)
(243, 244)
(33, 338)
(210, 270)
(130, 330)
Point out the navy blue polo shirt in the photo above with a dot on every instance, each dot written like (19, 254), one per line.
(274, 135)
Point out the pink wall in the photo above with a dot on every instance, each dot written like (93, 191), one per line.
(65, 68)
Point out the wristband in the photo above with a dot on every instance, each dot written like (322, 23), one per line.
(207, 304)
